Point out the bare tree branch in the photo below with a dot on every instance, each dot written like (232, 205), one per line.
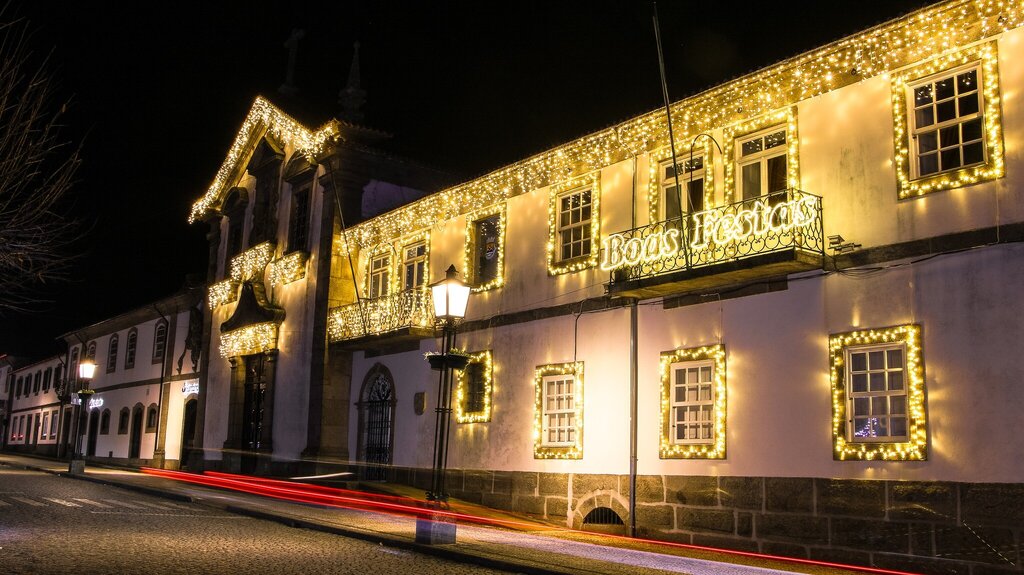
(37, 170)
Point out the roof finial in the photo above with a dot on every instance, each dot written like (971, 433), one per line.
(292, 44)
(352, 97)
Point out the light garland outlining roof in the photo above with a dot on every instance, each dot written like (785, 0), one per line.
(927, 33)
(263, 118)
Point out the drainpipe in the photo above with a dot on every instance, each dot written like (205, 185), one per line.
(633, 382)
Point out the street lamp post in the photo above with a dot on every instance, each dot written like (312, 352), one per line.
(450, 297)
(86, 369)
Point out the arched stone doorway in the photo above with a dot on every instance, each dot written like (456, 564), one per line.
(376, 423)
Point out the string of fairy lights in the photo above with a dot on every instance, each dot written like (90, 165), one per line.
(249, 340)
(916, 446)
(881, 50)
(715, 449)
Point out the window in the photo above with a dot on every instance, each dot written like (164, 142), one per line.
(159, 341)
(73, 365)
(45, 427)
(105, 422)
(559, 411)
(761, 163)
(693, 398)
(17, 387)
(947, 125)
(298, 225)
(473, 390)
(91, 351)
(234, 209)
(53, 424)
(484, 251)
(47, 376)
(56, 378)
(693, 402)
(129, 349)
(112, 354)
(122, 421)
(574, 234)
(877, 398)
(878, 394)
(691, 180)
(151, 418)
(414, 265)
(37, 381)
(380, 273)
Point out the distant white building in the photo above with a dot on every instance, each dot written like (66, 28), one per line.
(797, 335)
(144, 408)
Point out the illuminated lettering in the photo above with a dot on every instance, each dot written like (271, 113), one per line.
(720, 226)
(620, 251)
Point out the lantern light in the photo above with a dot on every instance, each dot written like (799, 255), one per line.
(451, 295)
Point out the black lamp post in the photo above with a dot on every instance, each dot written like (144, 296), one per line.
(86, 370)
(450, 297)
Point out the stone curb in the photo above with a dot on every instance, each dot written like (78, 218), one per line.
(437, 551)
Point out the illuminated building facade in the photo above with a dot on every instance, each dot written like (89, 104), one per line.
(800, 337)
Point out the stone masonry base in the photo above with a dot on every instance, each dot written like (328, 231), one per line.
(924, 527)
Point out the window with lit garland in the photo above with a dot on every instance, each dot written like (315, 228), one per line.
(693, 403)
(558, 424)
(947, 118)
(574, 224)
(485, 248)
(878, 404)
(474, 389)
(762, 156)
(379, 278)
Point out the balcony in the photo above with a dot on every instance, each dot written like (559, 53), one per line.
(763, 237)
(403, 316)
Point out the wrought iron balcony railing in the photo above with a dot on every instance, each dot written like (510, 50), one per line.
(385, 314)
(777, 222)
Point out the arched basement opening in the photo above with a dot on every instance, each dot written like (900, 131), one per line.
(604, 520)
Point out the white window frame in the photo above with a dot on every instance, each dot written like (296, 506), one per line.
(417, 263)
(53, 424)
(584, 224)
(958, 120)
(564, 412)
(668, 183)
(45, 427)
(674, 405)
(761, 158)
(379, 272)
(872, 395)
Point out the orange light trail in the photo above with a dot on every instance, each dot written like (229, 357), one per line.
(406, 506)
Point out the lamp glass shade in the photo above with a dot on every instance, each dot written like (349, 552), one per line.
(450, 296)
(86, 369)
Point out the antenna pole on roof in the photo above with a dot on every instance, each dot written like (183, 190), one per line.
(671, 138)
(668, 111)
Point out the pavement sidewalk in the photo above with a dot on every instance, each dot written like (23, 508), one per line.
(541, 550)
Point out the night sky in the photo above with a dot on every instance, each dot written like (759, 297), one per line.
(159, 91)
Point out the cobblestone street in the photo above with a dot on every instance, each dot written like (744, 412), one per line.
(52, 524)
